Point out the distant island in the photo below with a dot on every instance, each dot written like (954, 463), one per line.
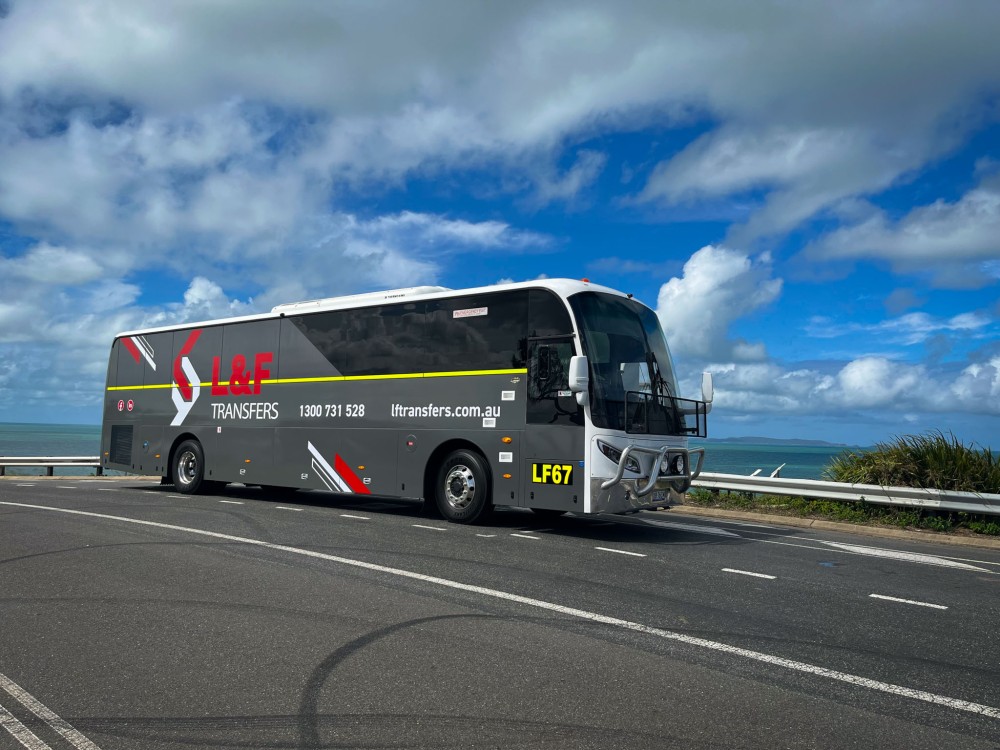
(776, 441)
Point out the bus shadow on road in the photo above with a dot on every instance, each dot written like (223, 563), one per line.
(644, 527)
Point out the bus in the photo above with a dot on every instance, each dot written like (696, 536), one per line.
(555, 395)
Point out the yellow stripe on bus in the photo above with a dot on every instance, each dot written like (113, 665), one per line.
(335, 379)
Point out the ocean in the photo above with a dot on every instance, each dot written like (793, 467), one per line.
(800, 462)
(796, 461)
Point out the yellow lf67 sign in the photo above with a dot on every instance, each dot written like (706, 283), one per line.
(552, 473)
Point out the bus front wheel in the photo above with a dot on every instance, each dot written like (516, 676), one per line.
(188, 467)
(462, 490)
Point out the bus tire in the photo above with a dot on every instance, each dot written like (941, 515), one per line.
(462, 489)
(188, 468)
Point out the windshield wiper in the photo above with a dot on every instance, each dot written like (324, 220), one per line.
(659, 383)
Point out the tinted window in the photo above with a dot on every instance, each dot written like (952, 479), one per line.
(547, 314)
(481, 332)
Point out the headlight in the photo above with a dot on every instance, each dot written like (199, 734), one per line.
(616, 455)
(673, 464)
(679, 466)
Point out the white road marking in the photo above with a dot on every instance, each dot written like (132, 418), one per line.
(748, 573)
(285, 507)
(821, 541)
(751, 525)
(68, 732)
(486, 536)
(360, 518)
(619, 551)
(107, 489)
(691, 527)
(232, 502)
(956, 704)
(527, 536)
(907, 601)
(66, 486)
(430, 528)
(19, 732)
(893, 554)
(25, 485)
(179, 497)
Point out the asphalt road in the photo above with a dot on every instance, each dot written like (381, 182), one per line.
(133, 617)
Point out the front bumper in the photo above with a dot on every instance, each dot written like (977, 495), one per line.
(619, 494)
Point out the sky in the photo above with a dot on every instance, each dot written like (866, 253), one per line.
(807, 193)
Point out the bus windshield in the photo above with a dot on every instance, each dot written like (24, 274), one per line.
(632, 383)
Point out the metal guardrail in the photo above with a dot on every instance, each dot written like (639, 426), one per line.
(908, 497)
(49, 463)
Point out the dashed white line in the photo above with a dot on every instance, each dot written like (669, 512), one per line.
(30, 702)
(66, 486)
(486, 536)
(178, 497)
(620, 551)
(359, 518)
(107, 489)
(527, 536)
(907, 601)
(956, 704)
(25, 485)
(285, 507)
(429, 528)
(231, 502)
(749, 573)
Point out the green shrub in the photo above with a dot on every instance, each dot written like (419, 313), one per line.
(932, 460)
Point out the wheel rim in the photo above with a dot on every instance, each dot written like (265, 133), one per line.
(187, 467)
(459, 487)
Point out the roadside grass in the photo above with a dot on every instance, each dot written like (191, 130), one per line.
(932, 460)
(860, 512)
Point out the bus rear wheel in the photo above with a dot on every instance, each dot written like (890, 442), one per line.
(188, 468)
(462, 489)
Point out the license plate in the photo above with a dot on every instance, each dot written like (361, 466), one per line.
(659, 495)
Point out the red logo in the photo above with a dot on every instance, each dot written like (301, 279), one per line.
(121, 405)
(131, 404)
(186, 381)
(241, 378)
(183, 384)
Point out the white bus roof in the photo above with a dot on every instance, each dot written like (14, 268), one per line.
(562, 287)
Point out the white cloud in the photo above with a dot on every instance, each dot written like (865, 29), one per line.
(718, 287)
(864, 386)
(936, 237)
(909, 329)
(46, 264)
(570, 185)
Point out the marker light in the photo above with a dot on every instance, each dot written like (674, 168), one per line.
(506, 440)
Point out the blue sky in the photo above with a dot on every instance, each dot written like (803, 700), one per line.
(808, 193)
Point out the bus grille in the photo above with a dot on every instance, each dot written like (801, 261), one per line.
(121, 444)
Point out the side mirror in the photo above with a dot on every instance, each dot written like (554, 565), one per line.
(579, 378)
(707, 390)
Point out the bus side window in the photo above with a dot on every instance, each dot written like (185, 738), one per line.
(549, 398)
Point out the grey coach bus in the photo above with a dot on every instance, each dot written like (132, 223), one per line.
(554, 395)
